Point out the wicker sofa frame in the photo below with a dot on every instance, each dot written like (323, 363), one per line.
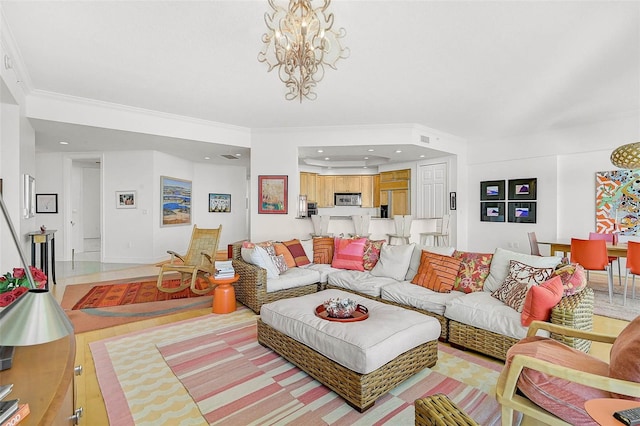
(359, 390)
(251, 288)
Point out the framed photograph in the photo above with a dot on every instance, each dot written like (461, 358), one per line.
(492, 212)
(273, 195)
(522, 212)
(522, 189)
(125, 199)
(452, 201)
(220, 203)
(492, 190)
(46, 203)
(176, 201)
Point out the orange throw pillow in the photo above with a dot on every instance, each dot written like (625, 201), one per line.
(540, 300)
(323, 250)
(296, 250)
(281, 249)
(437, 272)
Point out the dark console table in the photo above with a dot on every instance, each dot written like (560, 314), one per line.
(45, 239)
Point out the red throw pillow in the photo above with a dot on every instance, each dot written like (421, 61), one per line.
(296, 250)
(540, 300)
(436, 272)
(323, 250)
(348, 254)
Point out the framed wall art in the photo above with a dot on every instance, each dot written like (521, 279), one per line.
(46, 203)
(273, 195)
(492, 190)
(126, 199)
(522, 189)
(491, 212)
(522, 212)
(28, 196)
(176, 201)
(453, 204)
(618, 202)
(220, 203)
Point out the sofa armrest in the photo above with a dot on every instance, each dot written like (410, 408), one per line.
(251, 288)
(574, 311)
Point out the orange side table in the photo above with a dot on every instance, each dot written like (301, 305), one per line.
(602, 409)
(224, 296)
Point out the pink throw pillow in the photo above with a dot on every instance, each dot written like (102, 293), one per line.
(348, 254)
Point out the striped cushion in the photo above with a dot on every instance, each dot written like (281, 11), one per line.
(296, 250)
(323, 250)
(437, 272)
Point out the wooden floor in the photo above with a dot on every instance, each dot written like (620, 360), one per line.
(88, 392)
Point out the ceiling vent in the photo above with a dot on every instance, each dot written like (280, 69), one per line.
(424, 138)
(229, 156)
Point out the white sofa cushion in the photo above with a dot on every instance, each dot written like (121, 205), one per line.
(292, 278)
(362, 282)
(323, 269)
(418, 296)
(500, 266)
(259, 257)
(416, 255)
(361, 346)
(394, 261)
(484, 311)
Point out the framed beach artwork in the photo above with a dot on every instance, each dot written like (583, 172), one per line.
(220, 203)
(492, 190)
(176, 201)
(492, 212)
(125, 199)
(522, 212)
(273, 195)
(523, 189)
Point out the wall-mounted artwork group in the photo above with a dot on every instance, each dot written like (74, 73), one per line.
(520, 193)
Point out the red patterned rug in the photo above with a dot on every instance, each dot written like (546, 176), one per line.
(103, 296)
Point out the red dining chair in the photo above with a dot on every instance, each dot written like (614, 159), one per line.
(592, 256)
(608, 238)
(633, 268)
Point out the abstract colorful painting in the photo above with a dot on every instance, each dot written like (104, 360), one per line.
(618, 201)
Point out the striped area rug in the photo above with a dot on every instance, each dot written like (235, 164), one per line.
(211, 370)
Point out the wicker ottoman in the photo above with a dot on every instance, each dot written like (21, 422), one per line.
(438, 410)
(361, 360)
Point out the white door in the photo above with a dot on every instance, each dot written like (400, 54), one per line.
(432, 190)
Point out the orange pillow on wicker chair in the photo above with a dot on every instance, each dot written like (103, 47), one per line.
(437, 272)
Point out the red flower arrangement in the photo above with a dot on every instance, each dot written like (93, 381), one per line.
(14, 285)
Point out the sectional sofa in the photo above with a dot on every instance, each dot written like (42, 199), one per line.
(470, 317)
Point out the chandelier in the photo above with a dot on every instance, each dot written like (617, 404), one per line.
(627, 156)
(300, 42)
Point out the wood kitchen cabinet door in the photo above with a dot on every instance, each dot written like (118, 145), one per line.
(400, 202)
(346, 183)
(325, 189)
(366, 188)
(308, 185)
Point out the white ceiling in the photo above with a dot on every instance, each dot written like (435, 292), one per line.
(475, 69)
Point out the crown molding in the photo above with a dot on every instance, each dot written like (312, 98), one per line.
(10, 47)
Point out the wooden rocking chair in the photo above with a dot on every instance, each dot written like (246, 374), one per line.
(199, 260)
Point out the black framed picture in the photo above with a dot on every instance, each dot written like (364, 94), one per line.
(453, 204)
(522, 212)
(522, 189)
(492, 212)
(46, 203)
(492, 190)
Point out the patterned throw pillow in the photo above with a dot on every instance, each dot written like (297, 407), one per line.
(514, 288)
(573, 278)
(348, 254)
(323, 250)
(296, 250)
(281, 249)
(474, 269)
(437, 272)
(280, 263)
(267, 245)
(371, 253)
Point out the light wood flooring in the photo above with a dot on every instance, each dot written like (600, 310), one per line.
(88, 392)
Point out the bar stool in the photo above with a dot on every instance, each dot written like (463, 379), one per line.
(441, 236)
(403, 228)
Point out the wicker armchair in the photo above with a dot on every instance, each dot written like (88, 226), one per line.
(573, 311)
(251, 288)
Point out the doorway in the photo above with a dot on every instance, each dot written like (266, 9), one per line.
(86, 207)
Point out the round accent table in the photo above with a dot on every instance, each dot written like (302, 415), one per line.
(224, 296)
(602, 409)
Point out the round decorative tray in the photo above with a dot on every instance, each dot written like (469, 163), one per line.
(361, 313)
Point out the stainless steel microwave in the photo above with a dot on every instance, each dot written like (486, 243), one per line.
(350, 199)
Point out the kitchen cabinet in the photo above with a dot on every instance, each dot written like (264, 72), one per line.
(347, 183)
(376, 190)
(395, 175)
(325, 190)
(399, 202)
(366, 188)
(308, 186)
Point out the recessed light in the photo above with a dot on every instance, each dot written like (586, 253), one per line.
(321, 150)
(207, 158)
(370, 150)
(64, 143)
(326, 158)
(238, 155)
(365, 167)
(422, 156)
(398, 151)
(366, 158)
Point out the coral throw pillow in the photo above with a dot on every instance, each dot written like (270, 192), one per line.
(573, 278)
(281, 249)
(371, 253)
(348, 254)
(540, 300)
(323, 250)
(514, 288)
(474, 269)
(625, 356)
(296, 250)
(437, 272)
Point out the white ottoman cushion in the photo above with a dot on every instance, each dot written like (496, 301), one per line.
(361, 346)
